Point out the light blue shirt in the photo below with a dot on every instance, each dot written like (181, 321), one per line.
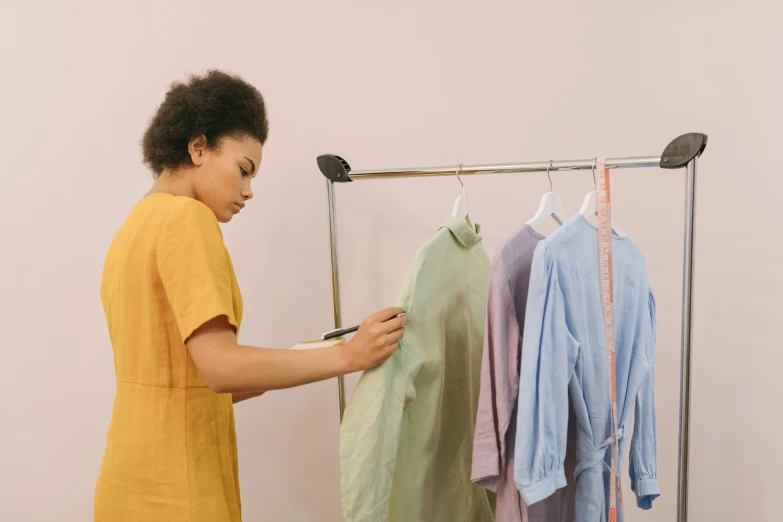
(563, 351)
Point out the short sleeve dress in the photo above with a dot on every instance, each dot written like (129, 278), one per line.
(171, 451)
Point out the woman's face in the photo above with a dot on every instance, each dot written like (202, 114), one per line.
(222, 175)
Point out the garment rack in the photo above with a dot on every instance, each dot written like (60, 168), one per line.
(681, 153)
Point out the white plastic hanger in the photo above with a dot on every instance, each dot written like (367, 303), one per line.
(460, 209)
(590, 208)
(550, 205)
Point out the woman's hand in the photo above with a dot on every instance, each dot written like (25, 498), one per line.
(376, 340)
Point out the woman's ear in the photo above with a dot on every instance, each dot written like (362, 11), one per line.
(197, 147)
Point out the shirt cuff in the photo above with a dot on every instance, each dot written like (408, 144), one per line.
(543, 488)
(486, 471)
(646, 490)
(490, 483)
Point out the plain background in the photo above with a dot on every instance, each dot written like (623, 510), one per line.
(400, 84)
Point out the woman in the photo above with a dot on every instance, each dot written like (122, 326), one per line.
(173, 310)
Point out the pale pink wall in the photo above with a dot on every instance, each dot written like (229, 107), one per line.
(408, 84)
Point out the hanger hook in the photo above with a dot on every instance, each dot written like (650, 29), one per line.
(459, 168)
(594, 162)
(549, 176)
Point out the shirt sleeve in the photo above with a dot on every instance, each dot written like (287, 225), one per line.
(643, 466)
(548, 356)
(498, 383)
(371, 426)
(194, 268)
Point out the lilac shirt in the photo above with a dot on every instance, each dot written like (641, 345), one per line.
(493, 444)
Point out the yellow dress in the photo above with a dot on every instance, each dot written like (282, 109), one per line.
(171, 451)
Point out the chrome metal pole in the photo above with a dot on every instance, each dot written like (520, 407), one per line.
(505, 168)
(687, 330)
(335, 285)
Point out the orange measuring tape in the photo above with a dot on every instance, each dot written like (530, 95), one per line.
(604, 207)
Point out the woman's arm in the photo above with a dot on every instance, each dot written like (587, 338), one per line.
(229, 367)
(243, 396)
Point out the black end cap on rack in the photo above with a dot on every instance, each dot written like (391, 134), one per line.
(334, 168)
(682, 150)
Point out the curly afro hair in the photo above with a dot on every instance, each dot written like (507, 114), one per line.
(215, 104)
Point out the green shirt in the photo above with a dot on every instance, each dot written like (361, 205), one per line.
(407, 434)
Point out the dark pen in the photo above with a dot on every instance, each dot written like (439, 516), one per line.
(344, 331)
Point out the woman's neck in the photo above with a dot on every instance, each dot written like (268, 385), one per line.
(174, 182)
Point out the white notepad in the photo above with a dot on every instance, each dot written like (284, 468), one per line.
(309, 345)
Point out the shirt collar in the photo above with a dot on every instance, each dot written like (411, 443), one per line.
(465, 234)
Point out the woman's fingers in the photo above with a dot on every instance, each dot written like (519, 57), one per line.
(394, 324)
(386, 314)
(393, 348)
(378, 337)
(394, 337)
